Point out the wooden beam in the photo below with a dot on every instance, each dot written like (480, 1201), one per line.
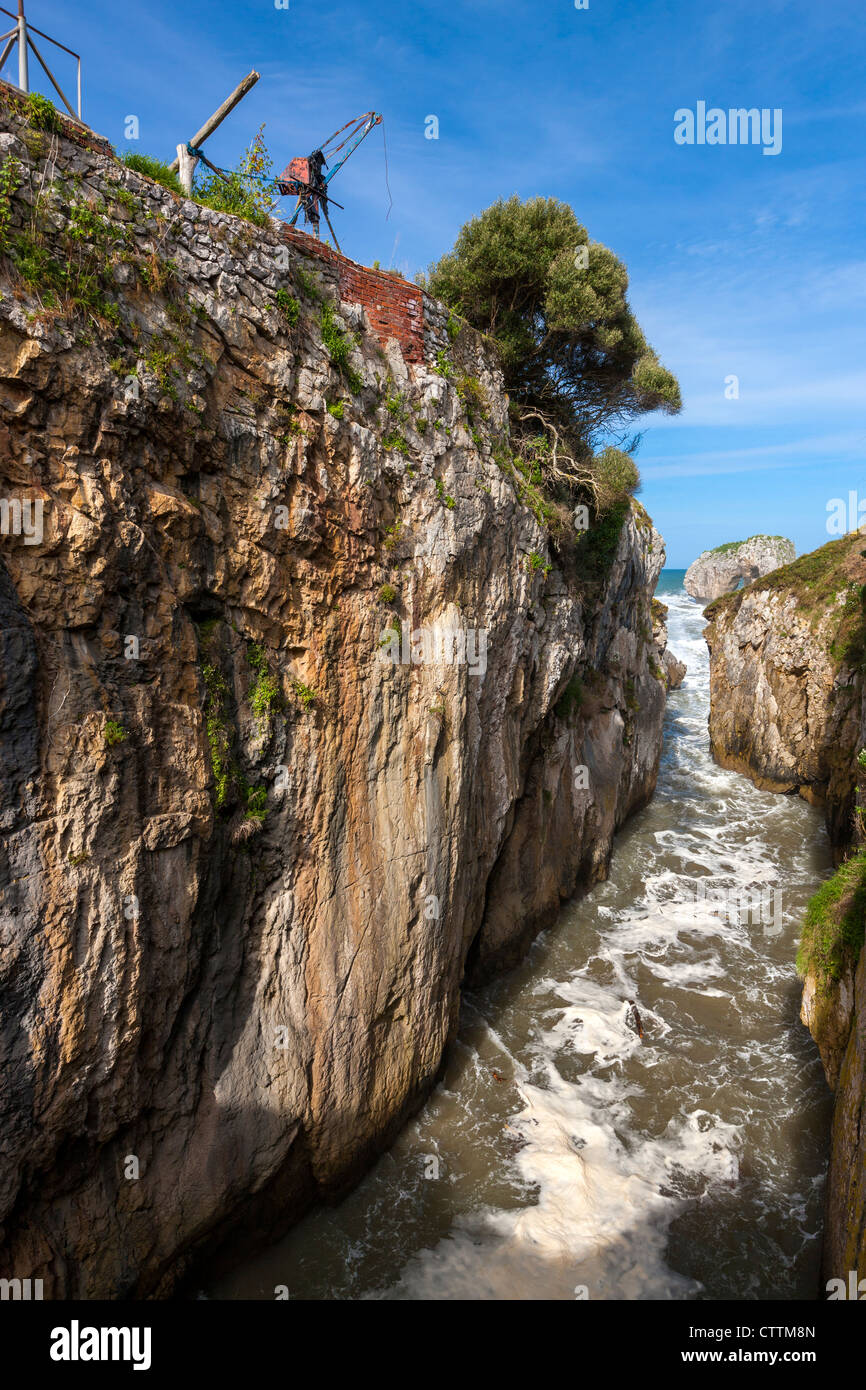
(186, 168)
(220, 114)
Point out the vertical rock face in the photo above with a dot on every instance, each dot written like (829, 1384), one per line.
(787, 680)
(719, 571)
(788, 708)
(301, 721)
(675, 671)
(845, 1232)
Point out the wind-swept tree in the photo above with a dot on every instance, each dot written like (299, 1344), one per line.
(577, 366)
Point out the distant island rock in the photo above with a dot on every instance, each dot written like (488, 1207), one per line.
(719, 571)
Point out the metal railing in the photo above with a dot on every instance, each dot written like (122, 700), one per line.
(21, 35)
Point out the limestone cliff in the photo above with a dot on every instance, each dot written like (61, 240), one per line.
(788, 708)
(302, 719)
(720, 571)
(787, 680)
(674, 669)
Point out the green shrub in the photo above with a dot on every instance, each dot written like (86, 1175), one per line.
(833, 929)
(10, 171)
(257, 804)
(218, 732)
(339, 348)
(264, 695)
(307, 285)
(442, 365)
(289, 305)
(472, 395)
(42, 114)
(444, 497)
(395, 406)
(247, 191)
(114, 733)
(614, 479)
(305, 693)
(536, 562)
(595, 549)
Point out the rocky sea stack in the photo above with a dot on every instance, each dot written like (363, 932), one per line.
(729, 566)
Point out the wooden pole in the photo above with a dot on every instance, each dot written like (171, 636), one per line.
(220, 114)
(186, 168)
(328, 220)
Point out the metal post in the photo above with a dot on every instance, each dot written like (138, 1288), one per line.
(23, 75)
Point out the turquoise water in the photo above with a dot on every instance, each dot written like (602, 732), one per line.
(670, 582)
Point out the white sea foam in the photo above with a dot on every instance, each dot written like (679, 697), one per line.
(572, 1153)
(606, 1191)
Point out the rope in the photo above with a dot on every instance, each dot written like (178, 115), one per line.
(356, 124)
(228, 174)
(387, 182)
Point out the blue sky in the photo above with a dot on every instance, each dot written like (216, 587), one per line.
(740, 263)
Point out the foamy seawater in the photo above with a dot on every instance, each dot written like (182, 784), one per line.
(562, 1155)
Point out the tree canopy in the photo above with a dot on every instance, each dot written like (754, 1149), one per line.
(575, 360)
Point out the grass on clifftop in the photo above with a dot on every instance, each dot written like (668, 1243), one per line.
(735, 545)
(833, 930)
(155, 169)
(817, 581)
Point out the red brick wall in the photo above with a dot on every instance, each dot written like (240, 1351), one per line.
(73, 130)
(394, 306)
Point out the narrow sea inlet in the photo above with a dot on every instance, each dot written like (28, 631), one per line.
(563, 1156)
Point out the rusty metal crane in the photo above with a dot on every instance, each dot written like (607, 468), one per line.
(306, 179)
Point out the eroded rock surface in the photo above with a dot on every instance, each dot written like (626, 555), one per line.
(675, 670)
(787, 682)
(728, 567)
(247, 861)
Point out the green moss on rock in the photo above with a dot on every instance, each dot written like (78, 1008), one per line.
(833, 930)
